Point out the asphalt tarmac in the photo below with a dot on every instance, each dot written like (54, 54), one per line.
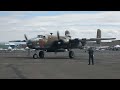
(20, 65)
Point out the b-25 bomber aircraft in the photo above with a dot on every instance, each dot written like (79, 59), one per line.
(52, 43)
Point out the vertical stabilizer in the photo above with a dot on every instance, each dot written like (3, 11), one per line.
(98, 36)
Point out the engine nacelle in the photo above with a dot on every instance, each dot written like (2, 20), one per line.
(67, 34)
(83, 42)
(74, 43)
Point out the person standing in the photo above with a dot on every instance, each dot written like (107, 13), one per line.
(91, 55)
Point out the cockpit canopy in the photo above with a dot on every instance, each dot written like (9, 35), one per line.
(40, 36)
(37, 38)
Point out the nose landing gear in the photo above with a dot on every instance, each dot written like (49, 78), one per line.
(35, 56)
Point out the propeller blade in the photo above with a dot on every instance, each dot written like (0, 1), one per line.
(25, 37)
(58, 35)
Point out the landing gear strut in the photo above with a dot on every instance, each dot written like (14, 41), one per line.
(71, 54)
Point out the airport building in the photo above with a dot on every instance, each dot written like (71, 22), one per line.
(19, 44)
(13, 44)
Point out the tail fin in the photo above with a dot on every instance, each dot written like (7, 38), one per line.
(98, 36)
(98, 33)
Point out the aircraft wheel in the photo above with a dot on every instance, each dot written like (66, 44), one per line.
(35, 56)
(41, 54)
(71, 54)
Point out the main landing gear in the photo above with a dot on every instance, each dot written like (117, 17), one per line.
(71, 54)
(41, 55)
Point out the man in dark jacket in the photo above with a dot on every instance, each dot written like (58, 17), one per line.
(91, 55)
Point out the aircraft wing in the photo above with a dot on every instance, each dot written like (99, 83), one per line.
(83, 40)
(95, 39)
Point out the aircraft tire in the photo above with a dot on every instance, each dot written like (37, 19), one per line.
(35, 56)
(41, 54)
(71, 54)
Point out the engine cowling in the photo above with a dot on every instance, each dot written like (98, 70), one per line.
(60, 42)
(83, 42)
(74, 43)
(67, 33)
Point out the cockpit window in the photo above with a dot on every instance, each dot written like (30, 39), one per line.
(40, 36)
(44, 37)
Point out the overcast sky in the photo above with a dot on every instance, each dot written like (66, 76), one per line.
(81, 24)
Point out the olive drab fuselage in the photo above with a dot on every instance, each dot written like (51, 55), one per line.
(44, 42)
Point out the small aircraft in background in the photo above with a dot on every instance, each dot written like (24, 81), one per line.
(51, 43)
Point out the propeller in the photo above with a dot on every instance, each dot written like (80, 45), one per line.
(59, 42)
(58, 36)
(25, 37)
(28, 42)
